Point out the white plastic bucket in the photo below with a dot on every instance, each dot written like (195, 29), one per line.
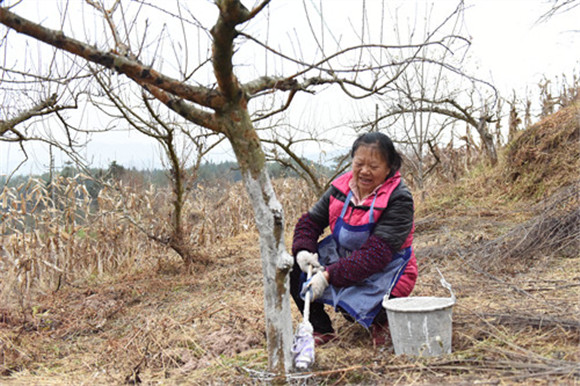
(420, 326)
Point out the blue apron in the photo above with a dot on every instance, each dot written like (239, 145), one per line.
(364, 300)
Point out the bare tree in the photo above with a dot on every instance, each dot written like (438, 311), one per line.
(167, 131)
(222, 108)
(434, 95)
(183, 151)
(230, 117)
(477, 115)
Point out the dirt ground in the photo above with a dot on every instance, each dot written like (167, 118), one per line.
(512, 325)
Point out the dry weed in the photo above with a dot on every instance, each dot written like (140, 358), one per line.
(546, 156)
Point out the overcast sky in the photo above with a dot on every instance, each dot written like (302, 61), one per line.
(509, 47)
(515, 49)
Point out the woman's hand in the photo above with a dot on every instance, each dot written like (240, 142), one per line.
(316, 285)
(305, 258)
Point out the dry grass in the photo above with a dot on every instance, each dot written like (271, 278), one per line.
(175, 328)
(88, 299)
(546, 156)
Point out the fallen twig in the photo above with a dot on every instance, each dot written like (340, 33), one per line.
(534, 321)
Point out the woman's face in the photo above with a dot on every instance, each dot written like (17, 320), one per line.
(369, 168)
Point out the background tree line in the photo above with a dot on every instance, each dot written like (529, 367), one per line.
(208, 173)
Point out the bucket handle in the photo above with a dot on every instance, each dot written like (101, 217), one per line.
(445, 284)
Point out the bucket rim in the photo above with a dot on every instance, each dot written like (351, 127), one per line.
(402, 304)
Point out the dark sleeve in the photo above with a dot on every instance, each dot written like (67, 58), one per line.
(372, 257)
(389, 234)
(396, 222)
(319, 212)
(311, 225)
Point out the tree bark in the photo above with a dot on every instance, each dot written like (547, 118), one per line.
(487, 140)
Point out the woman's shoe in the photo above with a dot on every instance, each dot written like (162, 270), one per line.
(323, 338)
(379, 333)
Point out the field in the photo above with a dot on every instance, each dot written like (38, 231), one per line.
(88, 299)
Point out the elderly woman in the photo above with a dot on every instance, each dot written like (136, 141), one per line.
(368, 255)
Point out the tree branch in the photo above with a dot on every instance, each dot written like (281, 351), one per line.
(300, 162)
(274, 112)
(232, 13)
(123, 65)
(186, 110)
(257, 9)
(47, 106)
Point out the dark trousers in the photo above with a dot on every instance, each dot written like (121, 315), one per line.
(318, 317)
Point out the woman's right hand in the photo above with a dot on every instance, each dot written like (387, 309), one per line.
(316, 285)
(305, 258)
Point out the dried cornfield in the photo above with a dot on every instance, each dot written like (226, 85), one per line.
(59, 232)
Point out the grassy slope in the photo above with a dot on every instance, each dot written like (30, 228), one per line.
(516, 319)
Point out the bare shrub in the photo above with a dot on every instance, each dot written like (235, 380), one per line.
(553, 231)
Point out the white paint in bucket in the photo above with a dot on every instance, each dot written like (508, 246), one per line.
(420, 326)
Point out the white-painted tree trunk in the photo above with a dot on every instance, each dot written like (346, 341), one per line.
(276, 264)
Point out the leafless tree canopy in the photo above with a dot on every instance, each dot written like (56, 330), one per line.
(225, 103)
(558, 6)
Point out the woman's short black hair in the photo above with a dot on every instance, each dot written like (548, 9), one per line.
(385, 146)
